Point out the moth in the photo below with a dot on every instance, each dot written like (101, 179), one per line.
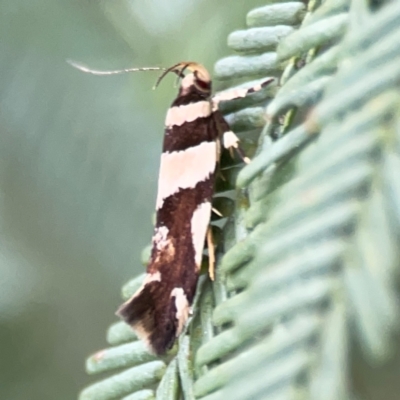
(195, 129)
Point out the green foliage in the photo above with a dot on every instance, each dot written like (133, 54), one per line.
(78, 165)
(308, 257)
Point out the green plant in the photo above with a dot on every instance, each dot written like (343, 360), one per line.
(309, 254)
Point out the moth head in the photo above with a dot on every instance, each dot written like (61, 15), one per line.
(198, 79)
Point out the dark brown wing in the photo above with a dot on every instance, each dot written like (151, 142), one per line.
(159, 309)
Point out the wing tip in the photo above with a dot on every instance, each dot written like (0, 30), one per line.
(151, 321)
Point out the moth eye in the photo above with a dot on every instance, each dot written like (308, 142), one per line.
(202, 85)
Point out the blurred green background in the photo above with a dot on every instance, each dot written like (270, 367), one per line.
(78, 169)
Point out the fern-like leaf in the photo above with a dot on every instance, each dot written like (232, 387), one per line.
(308, 256)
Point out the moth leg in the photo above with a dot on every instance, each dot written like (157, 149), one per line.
(211, 254)
(229, 139)
(245, 159)
(215, 211)
(231, 142)
(239, 93)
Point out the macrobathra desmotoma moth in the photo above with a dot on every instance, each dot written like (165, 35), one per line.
(194, 130)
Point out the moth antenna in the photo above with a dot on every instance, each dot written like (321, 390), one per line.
(180, 74)
(84, 68)
(175, 69)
